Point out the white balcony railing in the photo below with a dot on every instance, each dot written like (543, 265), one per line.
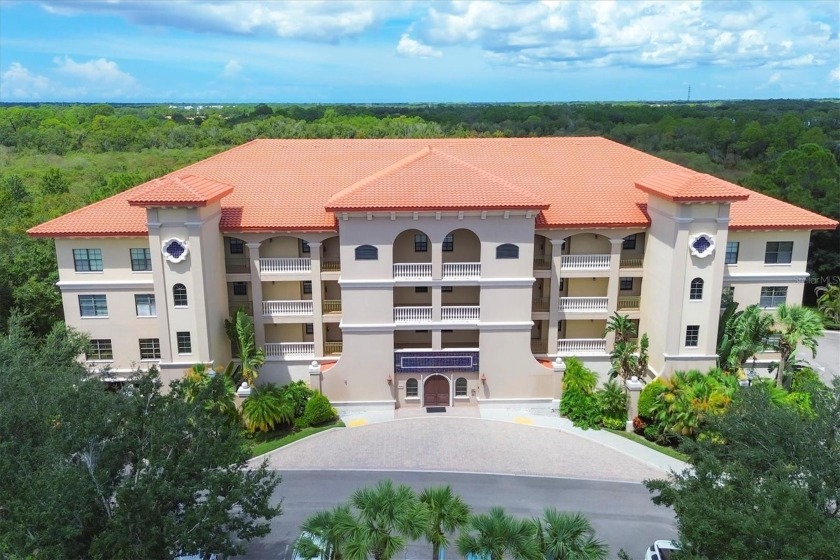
(585, 262)
(461, 270)
(460, 313)
(412, 270)
(289, 350)
(286, 308)
(583, 304)
(286, 265)
(414, 314)
(576, 346)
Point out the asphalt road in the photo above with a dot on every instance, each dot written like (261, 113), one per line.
(827, 361)
(621, 512)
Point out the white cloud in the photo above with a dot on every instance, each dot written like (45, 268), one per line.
(409, 47)
(232, 68)
(99, 72)
(834, 75)
(19, 83)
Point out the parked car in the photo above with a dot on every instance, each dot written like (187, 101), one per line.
(302, 547)
(661, 550)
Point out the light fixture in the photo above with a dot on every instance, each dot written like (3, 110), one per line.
(483, 378)
(389, 379)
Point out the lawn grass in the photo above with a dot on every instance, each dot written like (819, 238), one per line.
(669, 451)
(275, 440)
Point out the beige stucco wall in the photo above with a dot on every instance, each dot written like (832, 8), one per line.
(585, 328)
(586, 287)
(283, 290)
(281, 246)
(588, 244)
(287, 332)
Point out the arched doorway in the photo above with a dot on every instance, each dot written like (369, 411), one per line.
(436, 391)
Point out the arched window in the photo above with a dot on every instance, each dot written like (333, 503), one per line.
(411, 388)
(461, 387)
(507, 251)
(179, 295)
(696, 290)
(367, 253)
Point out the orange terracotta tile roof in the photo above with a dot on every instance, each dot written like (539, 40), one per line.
(180, 190)
(689, 186)
(433, 180)
(286, 185)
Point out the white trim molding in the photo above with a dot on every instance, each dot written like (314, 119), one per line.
(113, 285)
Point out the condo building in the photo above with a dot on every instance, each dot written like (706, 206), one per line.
(407, 273)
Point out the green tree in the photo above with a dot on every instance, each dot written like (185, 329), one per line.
(496, 535)
(748, 331)
(240, 330)
(325, 533)
(568, 536)
(447, 513)
(54, 182)
(266, 407)
(767, 487)
(828, 302)
(795, 325)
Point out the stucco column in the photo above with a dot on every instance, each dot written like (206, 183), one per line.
(256, 294)
(437, 335)
(437, 259)
(554, 294)
(162, 294)
(317, 299)
(634, 389)
(614, 284)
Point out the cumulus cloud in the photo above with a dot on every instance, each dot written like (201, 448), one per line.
(19, 83)
(94, 79)
(834, 75)
(409, 47)
(101, 72)
(232, 68)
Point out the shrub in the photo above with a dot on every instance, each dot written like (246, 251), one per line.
(265, 408)
(648, 396)
(301, 422)
(319, 410)
(578, 377)
(803, 379)
(801, 403)
(614, 423)
(613, 401)
(583, 409)
(298, 393)
(639, 425)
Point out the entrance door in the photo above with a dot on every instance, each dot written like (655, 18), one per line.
(436, 391)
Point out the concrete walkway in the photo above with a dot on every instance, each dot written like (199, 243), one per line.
(499, 442)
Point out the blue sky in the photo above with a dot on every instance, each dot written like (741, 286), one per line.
(415, 51)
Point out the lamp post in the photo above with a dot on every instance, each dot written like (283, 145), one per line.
(751, 374)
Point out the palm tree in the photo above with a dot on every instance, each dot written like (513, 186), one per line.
(386, 515)
(796, 325)
(750, 330)
(447, 512)
(568, 536)
(325, 532)
(240, 330)
(496, 535)
(622, 326)
(266, 407)
(217, 392)
(829, 301)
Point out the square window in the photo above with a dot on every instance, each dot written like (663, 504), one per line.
(772, 296)
(144, 305)
(149, 348)
(237, 246)
(141, 259)
(421, 243)
(309, 328)
(100, 349)
(240, 289)
(692, 336)
(306, 286)
(629, 242)
(446, 289)
(449, 243)
(625, 284)
(184, 342)
(93, 306)
(87, 260)
(732, 252)
(778, 252)
(421, 289)
(304, 247)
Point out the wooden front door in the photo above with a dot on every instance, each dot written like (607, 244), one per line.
(436, 391)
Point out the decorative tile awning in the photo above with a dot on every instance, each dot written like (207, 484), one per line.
(425, 362)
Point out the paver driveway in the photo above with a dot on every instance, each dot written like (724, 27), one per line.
(462, 445)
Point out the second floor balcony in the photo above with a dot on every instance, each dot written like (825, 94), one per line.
(583, 304)
(423, 271)
(585, 262)
(581, 346)
(279, 351)
(448, 314)
(286, 265)
(287, 308)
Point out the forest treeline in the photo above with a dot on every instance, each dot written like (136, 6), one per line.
(55, 158)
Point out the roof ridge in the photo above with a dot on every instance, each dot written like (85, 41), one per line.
(384, 172)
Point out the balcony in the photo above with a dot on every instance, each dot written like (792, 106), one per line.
(330, 266)
(286, 265)
(460, 313)
(632, 262)
(581, 346)
(413, 314)
(287, 308)
(237, 265)
(585, 262)
(583, 304)
(279, 351)
(412, 271)
(628, 303)
(542, 262)
(541, 305)
(461, 271)
(332, 306)
(333, 348)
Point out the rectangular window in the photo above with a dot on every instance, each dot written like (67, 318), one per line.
(778, 252)
(692, 336)
(562, 284)
(237, 246)
(304, 247)
(87, 260)
(421, 290)
(446, 289)
(184, 342)
(141, 259)
(100, 349)
(93, 306)
(727, 296)
(629, 242)
(150, 349)
(144, 305)
(449, 243)
(732, 252)
(240, 289)
(625, 284)
(772, 296)
(771, 343)
(309, 328)
(421, 243)
(306, 286)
